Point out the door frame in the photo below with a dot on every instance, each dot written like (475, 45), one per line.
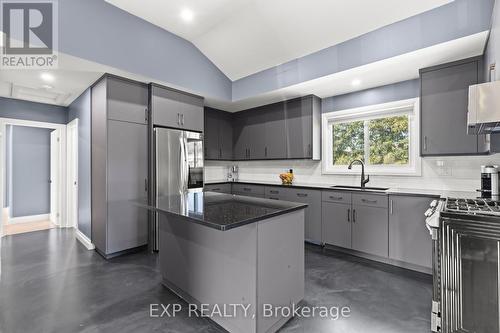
(62, 198)
(72, 165)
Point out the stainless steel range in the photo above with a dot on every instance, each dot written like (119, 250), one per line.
(466, 264)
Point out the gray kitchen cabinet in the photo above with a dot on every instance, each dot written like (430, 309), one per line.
(277, 192)
(221, 188)
(119, 174)
(241, 137)
(127, 181)
(249, 190)
(303, 128)
(256, 127)
(336, 220)
(275, 132)
(443, 109)
(370, 230)
(218, 135)
(312, 198)
(176, 109)
(127, 100)
(409, 239)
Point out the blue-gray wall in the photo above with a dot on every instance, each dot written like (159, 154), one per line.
(8, 166)
(457, 19)
(384, 94)
(492, 53)
(30, 190)
(18, 109)
(80, 109)
(100, 32)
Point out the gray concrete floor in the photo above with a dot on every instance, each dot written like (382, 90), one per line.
(50, 283)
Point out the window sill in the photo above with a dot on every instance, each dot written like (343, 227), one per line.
(374, 172)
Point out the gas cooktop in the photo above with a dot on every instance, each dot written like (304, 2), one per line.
(473, 206)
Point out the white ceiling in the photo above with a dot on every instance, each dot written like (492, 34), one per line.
(242, 37)
(388, 71)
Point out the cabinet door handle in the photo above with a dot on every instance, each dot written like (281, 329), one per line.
(302, 195)
(247, 189)
(391, 204)
(335, 198)
(178, 119)
(265, 152)
(220, 152)
(354, 215)
(145, 184)
(309, 150)
(349, 215)
(146, 115)
(182, 119)
(369, 201)
(274, 192)
(425, 143)
(248, 152)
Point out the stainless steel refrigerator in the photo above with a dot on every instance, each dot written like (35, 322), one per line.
(178, 166)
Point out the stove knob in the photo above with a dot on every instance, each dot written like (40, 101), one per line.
(429, 212)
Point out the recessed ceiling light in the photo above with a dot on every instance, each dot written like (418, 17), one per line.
(356, 82)
(187, 15)
(47, 77)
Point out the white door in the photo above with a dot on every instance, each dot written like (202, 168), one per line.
(72, 167)
(55, 153)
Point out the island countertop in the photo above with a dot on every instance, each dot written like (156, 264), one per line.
(222, 211)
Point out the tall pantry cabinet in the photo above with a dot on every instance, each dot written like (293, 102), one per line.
(119, 165)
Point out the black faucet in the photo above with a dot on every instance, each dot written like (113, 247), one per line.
(363, 180)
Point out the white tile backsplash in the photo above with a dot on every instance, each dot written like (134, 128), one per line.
(438, 173)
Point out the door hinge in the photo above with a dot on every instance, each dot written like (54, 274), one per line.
(436, 317)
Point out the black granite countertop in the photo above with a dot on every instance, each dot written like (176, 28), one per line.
(390, 191)
(222, 211)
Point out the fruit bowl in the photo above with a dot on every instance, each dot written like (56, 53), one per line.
(286, 178)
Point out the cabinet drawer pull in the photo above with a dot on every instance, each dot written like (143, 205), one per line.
(272, 198)
(391, 205)
(335, 198)
(274, 192)
(215, 189)
(247, 189)
(302, 195)
(369, 201)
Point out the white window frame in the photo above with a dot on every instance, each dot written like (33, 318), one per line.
(408, 106)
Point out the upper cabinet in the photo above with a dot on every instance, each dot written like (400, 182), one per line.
(127, 100)
(176, 109)
(284, 130)
(218, 135)
(303, 128)
(443, 103)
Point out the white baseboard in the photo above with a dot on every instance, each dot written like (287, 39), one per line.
(84, 240)
(29, 218)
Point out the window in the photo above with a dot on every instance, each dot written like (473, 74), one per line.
(385, 137)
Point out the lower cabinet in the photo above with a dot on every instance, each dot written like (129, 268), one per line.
(356, 221)
(221, 188)
(370, 230)
(337, 224)
(409, 239)
(312, 225)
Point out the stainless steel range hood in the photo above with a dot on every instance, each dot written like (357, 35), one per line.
(484, 108)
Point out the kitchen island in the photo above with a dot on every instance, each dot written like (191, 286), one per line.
(240, 255)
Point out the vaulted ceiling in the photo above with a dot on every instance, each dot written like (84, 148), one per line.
(242, 37)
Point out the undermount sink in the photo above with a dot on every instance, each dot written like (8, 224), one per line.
(359, 188)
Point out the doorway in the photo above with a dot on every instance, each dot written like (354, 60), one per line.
(32, 183)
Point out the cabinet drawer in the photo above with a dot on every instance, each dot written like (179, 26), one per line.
(247, 189)
(304, 195)
(221, 188)
(372, 200)
(339, 197)
(276, 192)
